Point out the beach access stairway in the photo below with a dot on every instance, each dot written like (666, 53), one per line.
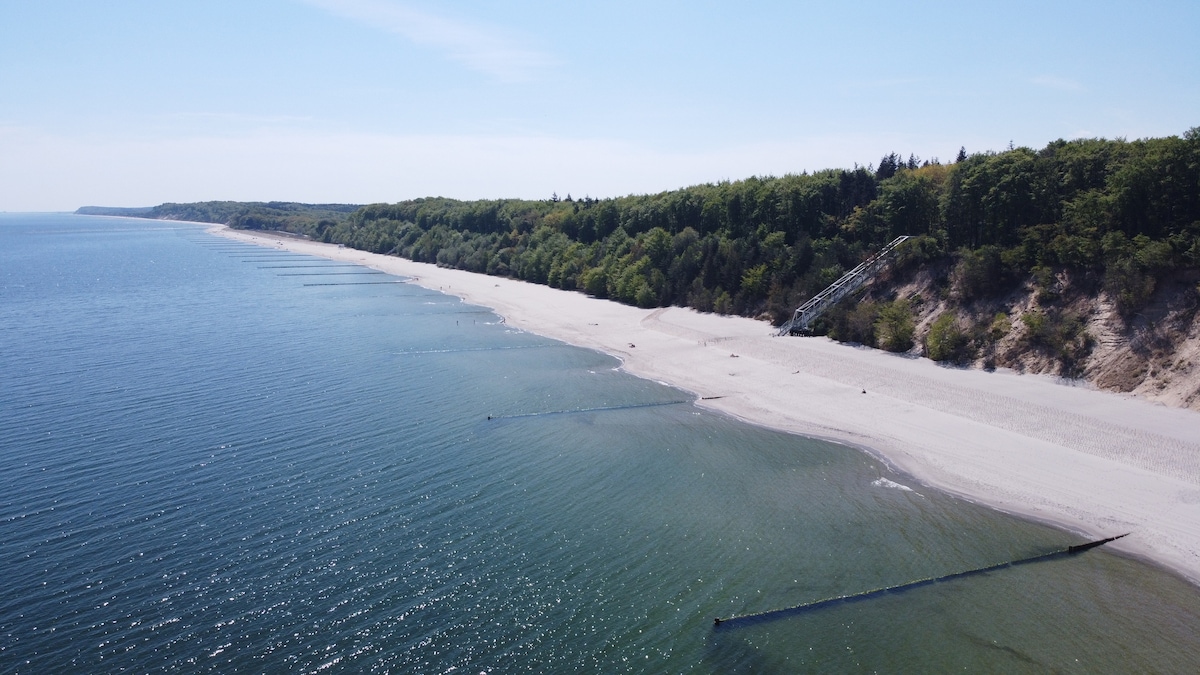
(806, 314)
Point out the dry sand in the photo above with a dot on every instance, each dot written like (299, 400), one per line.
(1096, 463)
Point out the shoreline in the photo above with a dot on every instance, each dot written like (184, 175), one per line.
(1095, 463)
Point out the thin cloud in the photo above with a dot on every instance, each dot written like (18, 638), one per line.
(1059, 83)
(482, 48)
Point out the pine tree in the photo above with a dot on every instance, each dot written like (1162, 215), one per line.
(888, 166)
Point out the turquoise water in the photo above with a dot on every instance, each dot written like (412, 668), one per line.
(209, 466)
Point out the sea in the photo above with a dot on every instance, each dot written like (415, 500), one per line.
(221, 458)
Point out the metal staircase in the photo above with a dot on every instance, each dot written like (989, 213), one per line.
(851, 281)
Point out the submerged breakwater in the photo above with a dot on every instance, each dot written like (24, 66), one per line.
(211, 467)
(777, 614)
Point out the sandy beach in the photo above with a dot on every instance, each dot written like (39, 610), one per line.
(1096, 463)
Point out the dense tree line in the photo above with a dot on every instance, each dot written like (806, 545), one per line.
(287, 216)
(1125, 212)
(1122, 214)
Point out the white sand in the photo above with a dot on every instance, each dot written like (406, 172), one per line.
(1097, 463)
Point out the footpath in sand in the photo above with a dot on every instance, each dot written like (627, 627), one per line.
(1097, 463)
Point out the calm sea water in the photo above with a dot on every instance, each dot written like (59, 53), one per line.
(221, 458)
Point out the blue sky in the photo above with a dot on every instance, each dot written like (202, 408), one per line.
(132, 103)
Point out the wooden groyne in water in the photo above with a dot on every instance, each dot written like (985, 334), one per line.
(572, 411)
(776, 614)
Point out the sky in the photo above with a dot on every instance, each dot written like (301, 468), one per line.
(136, 103)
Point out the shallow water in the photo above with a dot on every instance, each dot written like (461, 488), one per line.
(209, 466)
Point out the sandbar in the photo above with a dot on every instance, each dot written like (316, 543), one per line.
(1096, 463)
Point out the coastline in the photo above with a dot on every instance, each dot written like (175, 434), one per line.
(1096, 463)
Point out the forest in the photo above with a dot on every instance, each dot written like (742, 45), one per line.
(287, 216)
(1117, 216)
